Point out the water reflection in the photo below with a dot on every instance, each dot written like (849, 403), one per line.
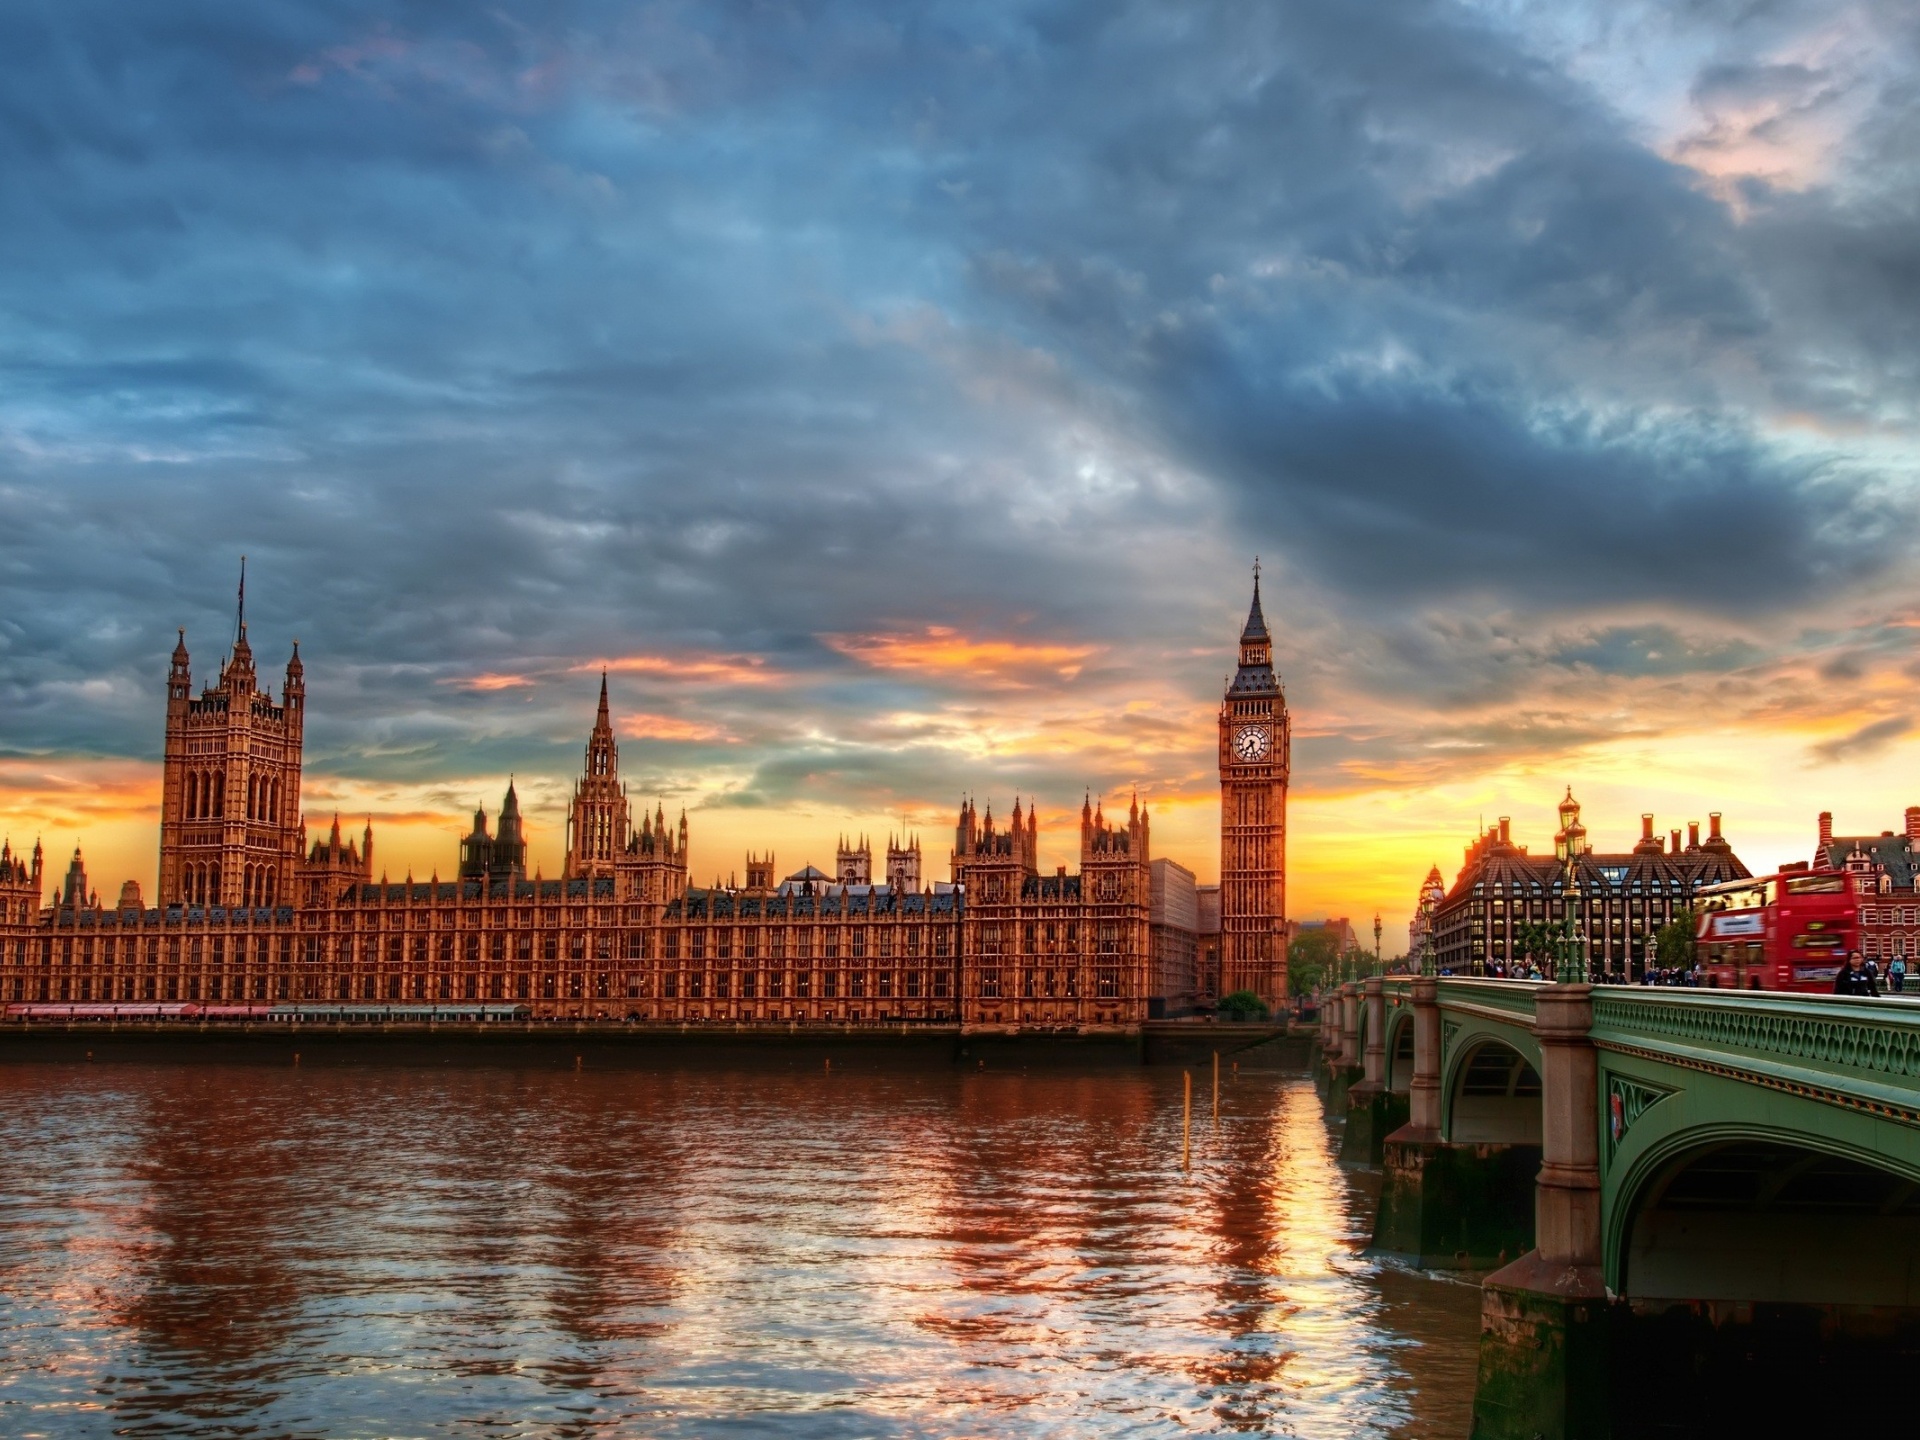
(240, 1251)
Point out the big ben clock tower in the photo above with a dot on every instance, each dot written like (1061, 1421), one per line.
(1255, 743)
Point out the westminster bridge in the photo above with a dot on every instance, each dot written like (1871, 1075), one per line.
(1695, 1204)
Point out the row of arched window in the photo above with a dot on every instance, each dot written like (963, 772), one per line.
(201, 883)
(206, 797)
(596, 837)
(259, 885)
(206, 794)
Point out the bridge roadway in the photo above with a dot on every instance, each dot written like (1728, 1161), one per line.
(1704, 1205)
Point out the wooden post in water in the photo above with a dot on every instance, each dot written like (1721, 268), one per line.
(1186, 1119)
(1216, 1088)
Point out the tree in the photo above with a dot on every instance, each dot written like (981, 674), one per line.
(1243, 1005)
(1532, 940)
(1673, 942)
(1313, 960)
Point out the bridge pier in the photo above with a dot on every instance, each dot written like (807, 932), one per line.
(1373, 1110)
(1446, 1206)
(1545, 1320)
(1346, 1068)
(1329, 1040)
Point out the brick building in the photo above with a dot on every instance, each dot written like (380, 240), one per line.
(1886, 877)
(1618, 901)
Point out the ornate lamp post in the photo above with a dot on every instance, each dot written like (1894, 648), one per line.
(1571, 965)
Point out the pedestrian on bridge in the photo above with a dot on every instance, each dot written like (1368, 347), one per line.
(1854, 978)
(1897, 974)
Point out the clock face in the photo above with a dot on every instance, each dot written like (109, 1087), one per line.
(1250, 743)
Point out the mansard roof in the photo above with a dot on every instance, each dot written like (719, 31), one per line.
(1505, 869)
(1891, 854)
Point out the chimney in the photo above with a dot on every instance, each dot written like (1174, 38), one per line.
(1646, 825)
(1913, 822)
(1693, 835)
(1826, 827)
(1506, 833)
(1676, 842)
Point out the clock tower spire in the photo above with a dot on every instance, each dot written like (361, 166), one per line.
(1255, 748)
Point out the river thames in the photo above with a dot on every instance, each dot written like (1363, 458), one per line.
(218, 1249)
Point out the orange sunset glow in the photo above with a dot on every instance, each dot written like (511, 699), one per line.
(1390, 793)
(1568, 427)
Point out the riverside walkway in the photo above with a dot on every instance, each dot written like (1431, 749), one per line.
(1684, 1190)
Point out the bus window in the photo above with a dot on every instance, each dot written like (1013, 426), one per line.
(1816, 885)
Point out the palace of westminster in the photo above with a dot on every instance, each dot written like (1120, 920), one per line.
(248, 912)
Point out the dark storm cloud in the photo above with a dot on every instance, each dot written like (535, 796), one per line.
(1638, 650)
(504, 337)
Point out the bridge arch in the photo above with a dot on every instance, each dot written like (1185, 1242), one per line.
(1758, 1214)
(1400, 1050)
(1493, 1093)
(1747, 1258)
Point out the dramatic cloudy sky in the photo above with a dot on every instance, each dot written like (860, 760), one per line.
(895, 397)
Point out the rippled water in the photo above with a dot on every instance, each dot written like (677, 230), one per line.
(237, 1250)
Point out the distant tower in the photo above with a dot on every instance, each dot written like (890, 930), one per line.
(230, 802)
(654, 867)
(1256, 743)
(903, 865)
(492, 858)
(759, 873)
(597, 815)
(853, 864)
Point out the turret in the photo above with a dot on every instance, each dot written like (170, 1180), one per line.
(180, 676)
(73, 891)
(294, 696)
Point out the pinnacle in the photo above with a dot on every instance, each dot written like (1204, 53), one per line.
(1256, 619)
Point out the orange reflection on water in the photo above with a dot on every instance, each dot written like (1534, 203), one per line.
(239, 1249)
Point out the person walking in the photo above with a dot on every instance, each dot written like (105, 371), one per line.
(1854, 978)
(1897, 974)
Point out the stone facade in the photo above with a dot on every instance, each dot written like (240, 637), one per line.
(1176, 941)
(250, 914)
(230, 787)
(1256, 744)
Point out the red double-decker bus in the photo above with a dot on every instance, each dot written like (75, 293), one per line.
(1789, 931)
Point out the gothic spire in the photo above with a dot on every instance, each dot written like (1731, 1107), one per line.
(1256, 620)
